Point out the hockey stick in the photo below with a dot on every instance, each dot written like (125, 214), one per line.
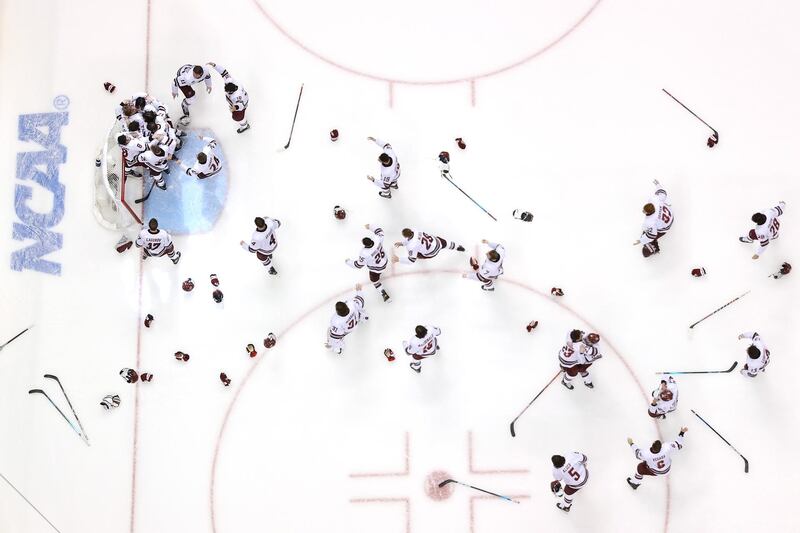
(746, 462)
(446, 481)
(513, 433)
(446, 175)
(12, 339)
(714, 139)
(291, 132)
(719, 309)
(83, 431)
(40, 391)
(28, 502)
(705, 371)
(146, 196)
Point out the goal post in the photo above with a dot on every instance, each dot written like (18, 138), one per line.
(111, 182)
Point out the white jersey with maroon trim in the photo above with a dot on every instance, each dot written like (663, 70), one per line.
(490, 269)
(373, 258)
(660, 462)
(589, 351)
(155, 243)
(342, 325)
(392, 172)
(155, 163)
(664, 406)
(135, 146)
(210, 167)
(754, 365)
(573, 473)
(264, 241)
(237, 100)
(424, 347)
(571, 354)
(769, 230)
(423, 244)
(185, 77)
(661, 219)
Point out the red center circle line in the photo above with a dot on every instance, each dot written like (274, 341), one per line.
(458, 272)
(363, 74)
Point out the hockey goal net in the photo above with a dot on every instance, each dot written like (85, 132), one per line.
(112, 187)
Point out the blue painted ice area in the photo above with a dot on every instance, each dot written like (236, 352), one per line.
(189, 205)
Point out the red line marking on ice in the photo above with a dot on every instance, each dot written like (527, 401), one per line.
(406, 501)
(389, 474)
(139, 310)
(473, 470)
(472, 506)
(472, 78)
(391, 94)
(326, 301)
(472, 92)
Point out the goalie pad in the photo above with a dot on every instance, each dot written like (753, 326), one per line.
(651, 248)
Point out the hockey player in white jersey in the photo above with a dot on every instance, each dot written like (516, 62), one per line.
(422, 345)
(131, 146)
(656, 461)
(207, 163)
(572, 361)
(420, 245)
(263, 243)
(588, 354)
(665, 399)
(757, 355)
(767, 226)
(390, 169)
(570, 476)
(492, 267)
(657, 221)
(187, 76)
(155, 161)
(236, 96)
(374, 258)
(156, 242)
(348, 315)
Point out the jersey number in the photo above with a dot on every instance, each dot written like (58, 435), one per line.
(428, 346)
(575, 475)
(153, 245)
(351, 323)
(427, 240)
(666, 216)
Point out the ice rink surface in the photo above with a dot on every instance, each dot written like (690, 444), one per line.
(561, 107)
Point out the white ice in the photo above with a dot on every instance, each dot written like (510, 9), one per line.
(575, 136)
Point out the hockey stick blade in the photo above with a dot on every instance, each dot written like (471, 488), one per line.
(746, 462)
(146, 196)
(445, 482)
(704, 371)
(76, 430)
(66, 396)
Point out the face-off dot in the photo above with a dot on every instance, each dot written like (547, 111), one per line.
(432, 488)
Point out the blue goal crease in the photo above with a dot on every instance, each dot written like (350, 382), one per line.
(189, 205)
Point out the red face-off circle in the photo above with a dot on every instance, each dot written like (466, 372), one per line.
(432, 488)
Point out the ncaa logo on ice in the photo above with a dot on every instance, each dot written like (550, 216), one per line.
(40, 207)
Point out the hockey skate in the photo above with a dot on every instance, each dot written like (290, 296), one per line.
(417, 369)
(161, 184)
(460, 248)
(385, 194)
(567, 385)
(589, 385)
(176, 258)
(393, 185)
(243, 129)
(487, 289)
(564, 508)
(184, 120)
(272, 271)
(633, 485)
(745, 239)
(386, 297)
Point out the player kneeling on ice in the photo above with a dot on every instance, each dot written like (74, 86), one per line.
(492, 267)
(422, 345)
(420, 245)
(657, 221)
(156, 242)
(348, 315)
(757, 355)
(207, 163)
(665, 399)
(570, 474)
(390, 169)
(767, 226)
(576, 356)
(263, 242)
(236, 96)
(374, 258)
(656, 461)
